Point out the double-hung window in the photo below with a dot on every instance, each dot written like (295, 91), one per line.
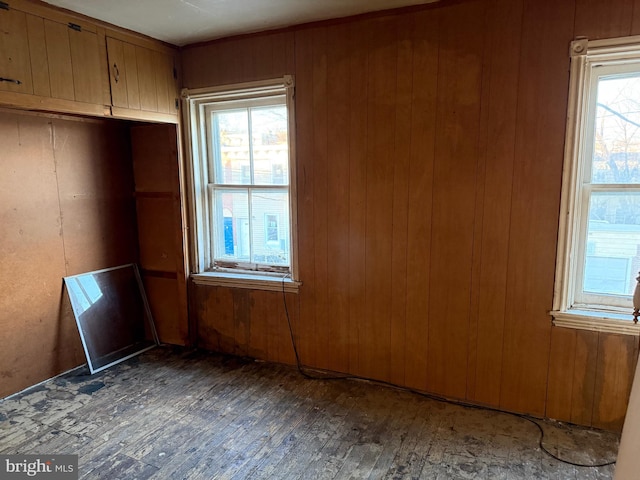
(242, 193)
(599, 236)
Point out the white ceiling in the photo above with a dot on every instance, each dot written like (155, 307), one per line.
(182, 22)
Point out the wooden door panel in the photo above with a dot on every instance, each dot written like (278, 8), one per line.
(15, 65)
(59, 56)
(131, 67)
(86, 68)
(146, 80)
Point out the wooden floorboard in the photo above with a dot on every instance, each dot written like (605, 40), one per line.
(181, 414)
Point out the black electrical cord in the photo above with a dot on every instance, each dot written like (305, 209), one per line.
(329, 376)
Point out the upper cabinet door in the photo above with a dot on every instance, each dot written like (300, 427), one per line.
(141, 78)
(15, 62)
(75, 71)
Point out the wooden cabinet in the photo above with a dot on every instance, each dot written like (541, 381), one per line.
(143, 81)
(53, 61)
(60, 64)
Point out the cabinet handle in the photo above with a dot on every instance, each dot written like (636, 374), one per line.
(116, 73)
(10, 80)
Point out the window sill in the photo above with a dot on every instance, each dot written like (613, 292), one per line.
(596, 321)
(246, 280)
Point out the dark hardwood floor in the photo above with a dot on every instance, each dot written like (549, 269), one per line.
(179, 414)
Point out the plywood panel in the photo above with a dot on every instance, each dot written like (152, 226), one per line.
(96, 185)
(59, 57)
(33, 247)
(501, 103)
(542, 100)
(156, 229)
(54, 187)
(155, 158)
(455, 170)
(86, 66)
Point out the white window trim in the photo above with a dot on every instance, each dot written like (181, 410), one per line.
(584, 55)
(193, 99)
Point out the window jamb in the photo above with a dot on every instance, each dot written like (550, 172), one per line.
(586, 58)
(195, 115)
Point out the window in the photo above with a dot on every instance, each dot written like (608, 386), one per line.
(599, 240)
(243, 197)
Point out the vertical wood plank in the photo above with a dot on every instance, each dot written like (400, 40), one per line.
(617, 356)
(338, 197)
(425, 33)
(359, 34)
(163, 69)
(561, 373)
(635, 18)
(458, 109)
(59, 57)
(38, 53)
(502, 93)
(401, 159)
(322, 335)
(146, 79)
(131, 75)
(584, 376)
(261, 310)
(86, 67)
(375, 336)
(542, 100)
(305, 172)
(595, 20)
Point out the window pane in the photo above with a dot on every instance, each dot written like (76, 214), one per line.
(270, 145)
(231, 147)
(613, 237)
(270, 213)
(231, 220)
(616, 155)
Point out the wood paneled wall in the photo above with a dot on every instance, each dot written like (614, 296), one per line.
(66, 207)
(430, 149)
